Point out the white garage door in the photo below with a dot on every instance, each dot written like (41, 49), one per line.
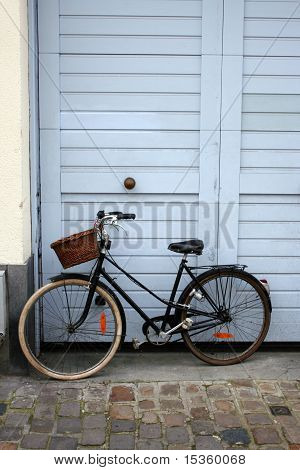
(140, 89)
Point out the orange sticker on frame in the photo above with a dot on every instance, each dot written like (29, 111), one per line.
(102, 323)
(223, 335)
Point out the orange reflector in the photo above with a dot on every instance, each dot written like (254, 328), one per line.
(102, 323)
(223, 335)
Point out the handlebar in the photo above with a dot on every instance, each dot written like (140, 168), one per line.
(126, 216)
(118, 215)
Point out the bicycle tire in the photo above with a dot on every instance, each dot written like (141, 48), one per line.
(39, 295)
(203, 279)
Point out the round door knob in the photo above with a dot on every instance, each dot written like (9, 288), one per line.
(129, 183)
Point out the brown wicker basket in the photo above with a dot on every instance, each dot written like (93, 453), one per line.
(76, 249)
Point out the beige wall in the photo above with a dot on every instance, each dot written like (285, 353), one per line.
(15, 225)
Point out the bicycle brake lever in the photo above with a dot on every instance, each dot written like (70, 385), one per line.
(120, 226)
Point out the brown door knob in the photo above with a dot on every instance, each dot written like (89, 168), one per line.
(129, 183)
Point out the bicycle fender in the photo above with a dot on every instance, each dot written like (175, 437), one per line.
(83, 277)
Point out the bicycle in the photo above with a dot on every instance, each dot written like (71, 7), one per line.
(72, 327)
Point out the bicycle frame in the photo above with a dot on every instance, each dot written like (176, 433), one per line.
(100, 271)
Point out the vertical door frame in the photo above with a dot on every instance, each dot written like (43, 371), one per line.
(210, 132)
(231, 117)
(34, 138)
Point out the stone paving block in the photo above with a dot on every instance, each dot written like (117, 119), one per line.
(51, 387)
(202, 427)
(34, 441)
(177, 435)
(258, 419)
(150, 444)
(175, 419)
(122, 425)
(121, 393)
(196, 400)
(149, 431)
(44, 411)
(169, 389)
(94, 421)
(5, 394)
(199, 413)
(42, 425)
(236, 436)
(171, 405)
(70, 394)
(192, 388)
(16, 419)
(93, 437)
(253, 405)
(266, 435)
(146, 390)
(269, 388)
(288, 385)
(292, 434)
(219, 391)
(224, 405)
(295, 406)
(63, 443)
(3, 408)
(146, 405)
(246, 393)
(70, 408)
(22, 402)
(149, 417)
(95, 406)
(8, 446)
(95, 393)
(10, 434)
(121, 412)
(291, 394)
(72, 425)
(273, 400)
(287, 420)
(208, 443)
(47, 400)
(121, 442)
(227, 420)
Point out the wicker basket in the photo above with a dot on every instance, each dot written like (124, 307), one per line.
(76, 249)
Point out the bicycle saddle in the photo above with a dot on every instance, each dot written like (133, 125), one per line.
(188, 246)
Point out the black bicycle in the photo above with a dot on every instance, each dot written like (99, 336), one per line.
(72, 327)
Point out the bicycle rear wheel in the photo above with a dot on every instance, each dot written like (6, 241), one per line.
(54, 346)
(242, 323)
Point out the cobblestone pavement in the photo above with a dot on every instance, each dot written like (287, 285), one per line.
(90, 414)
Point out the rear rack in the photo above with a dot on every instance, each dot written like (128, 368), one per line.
(240, 267)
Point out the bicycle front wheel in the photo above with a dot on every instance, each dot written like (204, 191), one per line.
(241, 324)
(52, 342)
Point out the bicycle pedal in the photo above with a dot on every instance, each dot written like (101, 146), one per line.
(136, 343)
